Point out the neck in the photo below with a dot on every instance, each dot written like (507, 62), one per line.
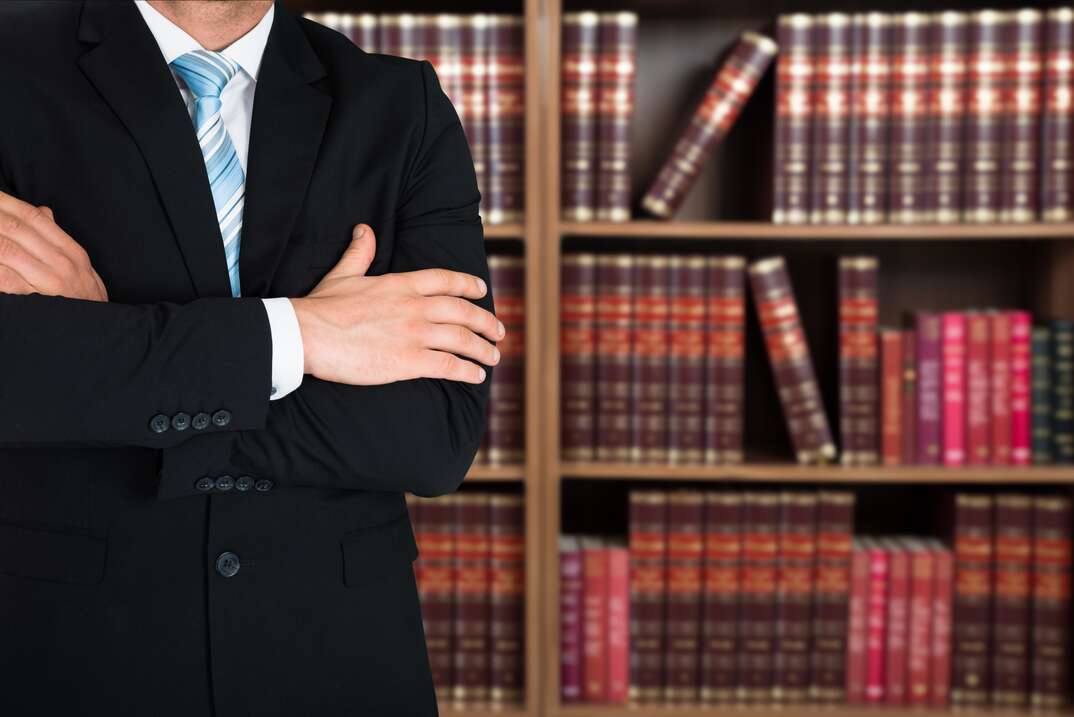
(215, 24)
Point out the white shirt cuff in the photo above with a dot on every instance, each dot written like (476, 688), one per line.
(288, 357)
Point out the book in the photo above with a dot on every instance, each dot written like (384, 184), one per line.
(578, 66)
(831, 596)
(876, 622)
(942, 610)
(971, 639)
(920, 619)
(649, 389)
(725, 350)
(507, 395)
(729, 91)
(507, 597)
(929, 407)
(891, 396)
(594, 620)
(438, 533)
(720, 644)
(617, 46)
(953, 412)
(1050, 661)
(578, 351)
(615, 354)
(1022, 108)
(442, 46)
(1021, 358)
(473, 608)
(686, 360)
(897, 638)
(474, 107)
(857, 624)
(1041, 395)
(984, 126)
(909, 397)
(793, 170)
(831, 126)
(908, 202)
(797, 552)
(648, 591)
(685, 552)
(1063, 391)
(858, 361)
(506, 98)
(1000, 387)
(618, 628)
(1012, 551)
(947, 84)
(869, 119)
(791, 363)
(978, 399)
(761, 517)
(571, 590)
(1057, 150)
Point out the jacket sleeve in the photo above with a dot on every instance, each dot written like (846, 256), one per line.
(418, 436)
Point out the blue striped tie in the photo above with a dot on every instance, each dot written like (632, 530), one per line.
(206, 74)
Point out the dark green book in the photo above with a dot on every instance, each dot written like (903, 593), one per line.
(1041, 398)
(1063, 391)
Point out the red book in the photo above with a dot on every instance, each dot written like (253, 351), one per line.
(724, 361)
(831, 126)
(578, 122)
(794, 119)
(922, 576)
(1021, 388)
(1001, 329)
(876, 622)
(909, 202)
(473, 608)
(578, 348)
(1050, 666)
(438, 536)
(870, 96)
(618, 649)
(683, 631)
(946, 106)
(929, 408)
(909, 397)
(759, 608)
(971, 642)
(615, 318)
(984, 117)
(507, 594)
(794, 588)
(1013, 550)
(720, 602)
(978, 407)
(507, 400)
(898, 622)
(940, 645)
(1022, 109)
(857, 624)
(1057, 152)
(506, 90)
(891, 397)
(594, 621)
(953, 347)
(616, 66)
(648, 594)
(571, 591)
(835, 526)
(858, 361)
(686, 360)
(649, 442)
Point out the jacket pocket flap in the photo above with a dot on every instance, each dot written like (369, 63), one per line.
(49, 555)
(369, 553)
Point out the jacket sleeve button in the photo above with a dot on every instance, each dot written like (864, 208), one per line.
(244, 483)
(159, 423)
(205, 484)
(264, 485)
(221, 418)
(225, 483)
(200, 421)
(181, 421)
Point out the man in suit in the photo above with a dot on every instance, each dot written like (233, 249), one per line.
(215, 383)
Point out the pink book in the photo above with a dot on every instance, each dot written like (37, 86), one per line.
(929, 389)
(940, 653)
(876, 623)
(978, 408)
(1021, 328)
(919, 643)
(857, 628)
(618, 649)
(898, 622)
(953, 343)
(1001, 388)
(570, 619)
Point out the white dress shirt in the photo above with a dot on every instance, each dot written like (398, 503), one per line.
(237, 111)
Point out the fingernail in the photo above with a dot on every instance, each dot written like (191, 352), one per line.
(482, 374)
(481, 286)
(495, 355)
(501, 328)
(361, 231)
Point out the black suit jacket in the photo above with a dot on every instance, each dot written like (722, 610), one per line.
(113, 595)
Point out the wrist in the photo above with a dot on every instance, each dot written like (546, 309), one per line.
(305, 328)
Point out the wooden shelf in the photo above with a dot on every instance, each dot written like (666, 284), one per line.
(650, 229)
(792, 473)
(770, 711)
(449, 710)
(489, 474)
(505, 231)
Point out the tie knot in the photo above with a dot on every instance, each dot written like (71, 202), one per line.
(205, 73)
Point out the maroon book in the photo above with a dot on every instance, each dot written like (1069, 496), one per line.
(578, 350)
(443, 48)
(929, 389)
(759, 610)
(1012, 550)
(870, 97)
(983, 140)
(618, 44)
(595, 559)
(1050, 662)
(438, 536)
(1057, 153)
(831, 128)
(578, 121)
(506, 99)
(909, 397)
(649, 440)
(1021, 107)
(570, 619)
(794, 596)
(720, 644)
(615, 317)
(896, 661)
(909, 198)
(682, 648)
(831, 596)
(971, 638)
(507, 390)
(793, 170)
(686, 360)
(474, 111)
(724, 361)
(473, 609)
(856, 664)
(859, 380)
(508, 590)
(648, 594)
(947, 73)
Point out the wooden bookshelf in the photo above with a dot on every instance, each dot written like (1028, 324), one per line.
(762, 711)
(492, 474)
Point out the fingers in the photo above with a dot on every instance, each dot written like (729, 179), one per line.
(359, 254)
(461, 341)
(12, 283)
(31, 268)
(452, 310)
(442, 282)
(445, 366)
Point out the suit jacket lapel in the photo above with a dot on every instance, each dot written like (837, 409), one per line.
(126, 67)
(289, 119)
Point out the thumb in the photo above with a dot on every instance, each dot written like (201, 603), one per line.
(359, 255)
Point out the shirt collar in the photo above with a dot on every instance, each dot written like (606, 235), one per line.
(174, 42)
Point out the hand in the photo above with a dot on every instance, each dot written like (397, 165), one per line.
(368, 330)
(36, 256)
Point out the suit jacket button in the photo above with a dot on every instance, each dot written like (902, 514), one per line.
(264, 485)
(228, 564)
(244, 483)
(225, 483)
(205, 484)
(200, 421)
(221, 418)
(181, 421)
(159, 423)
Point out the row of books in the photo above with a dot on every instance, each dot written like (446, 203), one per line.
(504, 440)
(760, 598)
(916, 117)
(480, 60)
(471, 581)
(651, 358)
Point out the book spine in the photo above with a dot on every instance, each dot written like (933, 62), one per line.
(831, 597)
(1012, 548)
(412, 41)
(649, 440)
(896, 659)
(507, 410)
(472, 599)
(978, 407)
(732, 86)
(618, 649)
(942, 610)
(909, 201)
(474, 92)
(506, 96)
(858, 364)
(909, 397)
(984, 117)
(389, 35)
(445, 53)
(1041, 401)
(953, 348)
(1022, 111)
(758, 611)
(1050, 667)
(725, 359)
(971, 638)
(616, 66)
(1063, 391)
(648, 594)
(920, 632)
(365, 32)
(1057, 192)
(857, 625)
(571, 588)
(578, 357)
(788, 353)
(867, 160)
(1021, 358)
(891, 398)
(794, 591)
(508, 589)
(876, 624)
(946, 102)
(831, 63)
(1000, 388)
(615, 317)
(929, 389)
(686, 513)
(595, 622)
(720, 610)
(794, 119)
(579, 116)
(439, 535)
(686, 360)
